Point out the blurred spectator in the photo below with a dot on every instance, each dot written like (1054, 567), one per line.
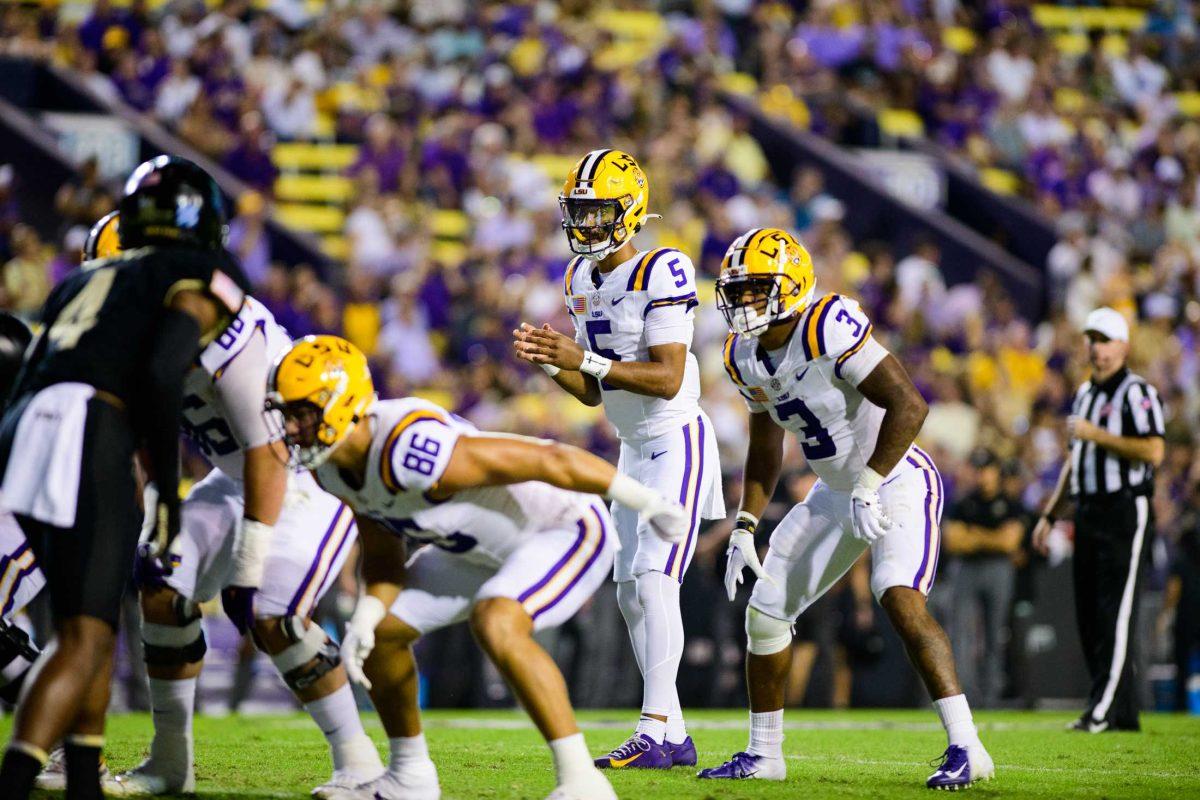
(26, 281)
(250, 158)
(248, 238)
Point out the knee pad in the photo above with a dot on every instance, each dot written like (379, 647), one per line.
(766, 634)
(310, 656)
(17, 654)
(173, 645)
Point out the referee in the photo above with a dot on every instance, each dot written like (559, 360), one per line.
(1116, 428)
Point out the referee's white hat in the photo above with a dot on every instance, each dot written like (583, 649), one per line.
(1109, 322)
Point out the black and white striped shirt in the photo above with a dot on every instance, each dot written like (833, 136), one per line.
(1124, 405)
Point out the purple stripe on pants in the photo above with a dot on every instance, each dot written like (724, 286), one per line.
(687, 545)
(16, 584)
(312, 570)
(928, 530)
(592, 560)
(687, 474)
(525, 595)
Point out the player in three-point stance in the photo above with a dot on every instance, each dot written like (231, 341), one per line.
(814, 369)
(633, 314)
(517, 539)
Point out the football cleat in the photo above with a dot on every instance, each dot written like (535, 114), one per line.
(54, 775)
(347, 778)
(593, 786)
(142, 780)
(961, 767)
(637, 752)
(683, 754)
(417, 781)
(743, 766)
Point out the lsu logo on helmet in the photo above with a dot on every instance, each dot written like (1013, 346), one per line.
(316, 393)
(766, 278)
(604, 202)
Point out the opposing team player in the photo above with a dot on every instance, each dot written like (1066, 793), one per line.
(271, 542)
(518, 542)
(104, 376)
(814, 369)
(20, 578)
(633, 314)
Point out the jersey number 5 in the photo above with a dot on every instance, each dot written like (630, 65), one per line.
(598, 327)
(79, 316)
(817, 443)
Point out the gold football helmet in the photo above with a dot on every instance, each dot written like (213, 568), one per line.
(316, 393)
(103, 239)
(604, 202)
(766, 278)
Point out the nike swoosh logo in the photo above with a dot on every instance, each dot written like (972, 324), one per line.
(656, 455)
(800, 377)
(617, 300)
(620, 762)
(954, 775)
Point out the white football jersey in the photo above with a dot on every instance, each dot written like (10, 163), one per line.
(223, 394)
(810, 386)
(647, 301)
(411, 444)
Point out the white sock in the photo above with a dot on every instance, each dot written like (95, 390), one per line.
(571, 758)
(337, 716)
(656, 729)
(172, 705)
(676, 730)
(766, 734)
(658, 594)
(956, 719)
(406, 750)
(635, 620)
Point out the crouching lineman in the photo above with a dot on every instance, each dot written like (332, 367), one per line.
(270, 542)
(519, 542)
(20, 578)
(815, 370)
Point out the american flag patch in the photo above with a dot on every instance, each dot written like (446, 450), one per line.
(758, 395)
(579, 303)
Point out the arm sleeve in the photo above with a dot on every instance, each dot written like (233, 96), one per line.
(242, 392)
(417, 452)
(1145, 410)
(847, 335)
(176, 345)
(670, 299)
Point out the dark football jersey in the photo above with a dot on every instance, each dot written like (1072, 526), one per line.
(100, 324)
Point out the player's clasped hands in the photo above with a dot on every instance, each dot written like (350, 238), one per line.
(545, 345)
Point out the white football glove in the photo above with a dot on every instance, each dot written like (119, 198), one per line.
(359, 640)
(668, 519)
(742, 553)
(866, 510)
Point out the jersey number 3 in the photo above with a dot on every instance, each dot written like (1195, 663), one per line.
(817, 444)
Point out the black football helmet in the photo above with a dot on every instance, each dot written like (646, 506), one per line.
(15, 337)
(171, 202)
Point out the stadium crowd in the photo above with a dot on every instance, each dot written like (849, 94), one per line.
(461, 106)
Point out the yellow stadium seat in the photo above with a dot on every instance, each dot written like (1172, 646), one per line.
(336, 247)
(302, 156)
(1071, 44)
(449, 224)
(959, 40)
(1104, 19)
(314, 188)
(900, 122)
(318, 219)
(1188, 103)
(1000, 181)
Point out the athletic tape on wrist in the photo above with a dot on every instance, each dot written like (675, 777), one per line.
(595, 365)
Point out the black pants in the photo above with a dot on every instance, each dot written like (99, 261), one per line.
(88, 565)
(1112, 538)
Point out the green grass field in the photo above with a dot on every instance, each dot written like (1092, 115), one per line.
(865, 753)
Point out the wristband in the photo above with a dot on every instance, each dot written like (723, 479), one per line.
(631, 493)
(250, 553)
(869, 479)
(746, 521)
(369, 612)
(550, 369)
(595, 365)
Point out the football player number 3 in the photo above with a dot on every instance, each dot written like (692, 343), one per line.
(79, 316)
(817, 442)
